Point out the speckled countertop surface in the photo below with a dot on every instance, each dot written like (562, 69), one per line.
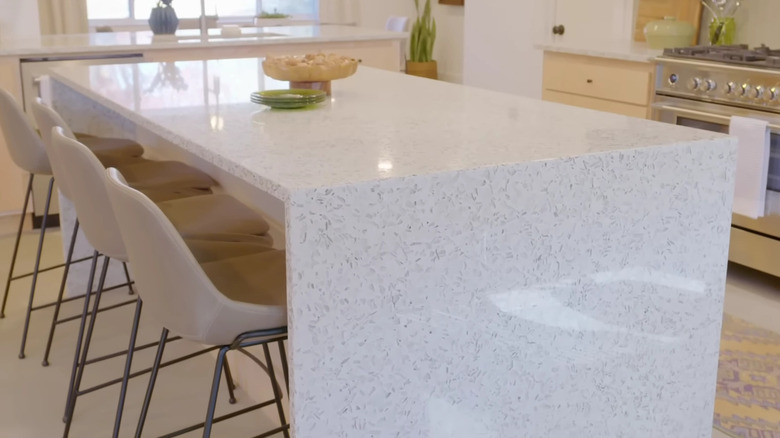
(621, 50)
(378, 124)
(50, 45)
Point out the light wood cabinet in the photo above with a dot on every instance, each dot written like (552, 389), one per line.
(622, 87)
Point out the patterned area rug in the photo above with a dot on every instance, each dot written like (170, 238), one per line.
(748, 394)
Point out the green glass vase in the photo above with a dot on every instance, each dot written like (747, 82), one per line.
(722, 31)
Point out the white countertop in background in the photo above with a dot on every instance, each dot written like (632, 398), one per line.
(378, 124)
(621, 50)
(52, 45)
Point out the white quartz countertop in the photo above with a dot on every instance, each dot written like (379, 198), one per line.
(377, 125)
(621, 50)
(53, 45)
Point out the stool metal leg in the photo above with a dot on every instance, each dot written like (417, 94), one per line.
(285, 367)
(231, 385)
(128, 365)
(85, 350)
(277, 391)
(80, 338)
(35, 269)
(152, 380)
(60, 294)
(16, 244)
(130, 290)
(214, 391)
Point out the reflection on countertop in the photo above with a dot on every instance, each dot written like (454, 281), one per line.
(48, 45)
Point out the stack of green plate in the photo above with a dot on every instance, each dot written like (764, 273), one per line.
(288, 99)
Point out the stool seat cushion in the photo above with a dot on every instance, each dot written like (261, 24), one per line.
(217, 213)
(110, 145)
(214, 247)
(165, 174)
(255, 288)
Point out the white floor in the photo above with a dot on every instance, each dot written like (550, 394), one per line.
(32, 397)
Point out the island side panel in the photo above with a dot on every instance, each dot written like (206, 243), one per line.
(573, 297)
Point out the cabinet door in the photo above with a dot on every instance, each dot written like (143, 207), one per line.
(592, 20)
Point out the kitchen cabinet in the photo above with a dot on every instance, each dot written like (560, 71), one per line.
(612, 85)
(500, 37)
(592, 20)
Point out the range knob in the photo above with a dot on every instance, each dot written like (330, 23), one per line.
(771, 94)
(693, 83)
(758, 92)
(744, 90)
(731, 87)
(708, 85)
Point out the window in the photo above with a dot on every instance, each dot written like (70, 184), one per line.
(129, 10)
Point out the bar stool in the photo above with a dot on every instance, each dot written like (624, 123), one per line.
(232, 304)
(27, 152)
(84, 177)
(197, 215)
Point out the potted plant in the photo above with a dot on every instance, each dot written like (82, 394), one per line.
(420, 62)
(163, 20)
(274, 18)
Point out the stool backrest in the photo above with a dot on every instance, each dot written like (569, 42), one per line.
(48, 119)
(24, 144)
(172, 284)
(85, 179)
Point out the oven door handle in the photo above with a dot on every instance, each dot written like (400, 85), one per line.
(700, 115)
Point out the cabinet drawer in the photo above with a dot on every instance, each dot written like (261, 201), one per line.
(609, 106)
(620, 81)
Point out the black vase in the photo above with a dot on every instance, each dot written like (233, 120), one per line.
(163, 21)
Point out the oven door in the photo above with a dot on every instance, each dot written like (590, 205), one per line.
(754, 242)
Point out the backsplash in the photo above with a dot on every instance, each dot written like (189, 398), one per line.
(756, 23)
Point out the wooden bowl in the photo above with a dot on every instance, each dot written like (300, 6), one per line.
(297, 69)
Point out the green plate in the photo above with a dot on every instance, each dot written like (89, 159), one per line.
(289, 95)
(288, 99)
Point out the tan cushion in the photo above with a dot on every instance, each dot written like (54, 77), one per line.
(255, 279)
(213, 214)
(165, 174)
(109, 145)
(218, 246)
(168, 194)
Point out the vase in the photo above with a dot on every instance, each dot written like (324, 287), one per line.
(722, 31)
(423, 69)
(163, 20)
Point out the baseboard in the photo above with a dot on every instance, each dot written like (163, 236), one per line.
(53, 221)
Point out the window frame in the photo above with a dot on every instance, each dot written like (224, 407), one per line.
(226, 19)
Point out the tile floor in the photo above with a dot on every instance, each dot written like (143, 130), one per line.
(32, 397)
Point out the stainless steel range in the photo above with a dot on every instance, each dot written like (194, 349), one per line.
(702, 87)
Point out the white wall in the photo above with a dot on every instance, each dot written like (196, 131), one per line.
(19, 19)
(756, 23)
(448, 50)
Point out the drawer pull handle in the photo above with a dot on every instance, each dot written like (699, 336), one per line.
(590, 81)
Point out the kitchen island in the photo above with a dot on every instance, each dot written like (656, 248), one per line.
(23, 61)
(461, 263)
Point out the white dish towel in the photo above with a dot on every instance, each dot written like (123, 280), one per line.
(752, 165)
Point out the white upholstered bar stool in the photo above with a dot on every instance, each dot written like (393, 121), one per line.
(233, 303)
(27, 152)
(194, 215)
(84, 177)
